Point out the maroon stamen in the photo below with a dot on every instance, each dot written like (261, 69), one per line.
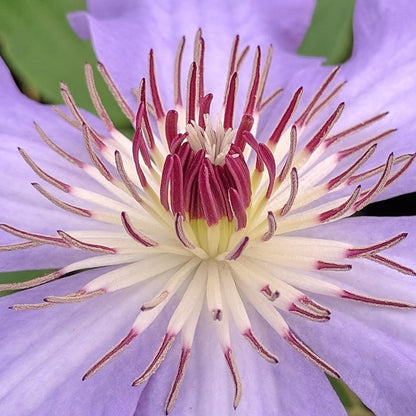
(257, 345)
(157, 360)
(96, 100)
(233, 59)
(191, 101)
(354, 129)
(295, 309)
(180, 232)
(336, 267)
(309, 108)
(19, 246)
(370, 195)
(42, 174)
(135, 234)
(263, 79)
(65, 206)
(254, 84)
(204, 108)
(324, 130)
(268, 159)
(270, 294)
(230, 102)
(180, 373)
(165, 181)
(391, 264)
(375, 248)
(57, 149)
(235, 376)
(117, 349)
(347, 152)
(238, 209)
(375, 301)
(160, 112)
(326, 101)
(339, 211)
(138, 145)
(272, 225)
(199, 54)
(171, 127)
(208, 199)
(95, 248)
(298, 345)
(290, 156)
(236, 252)
(342, 177)
(176, 187)
(148, 132)
(79, 296)
(122, 103)
(131, 187)
(294, 187)
(38, 238)
(281, 125)
(32, 282)
(89, 136)
(177, 73)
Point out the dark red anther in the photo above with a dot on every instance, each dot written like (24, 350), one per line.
(268, 159)
(207, 197)
(251, 100)
(238, 209)
(246, 124)
(175, 144)
(325, 129)
(138, 145)
(376, 248)
(204, 108)
(200, 63)
(230, 102)
(165, 180)
(171, 126)
(237, 170)
(233, 58)
(291, 108)
(191, 177)
(218, 188)
(191, 101)
(310, 107)
(160, 112)
(351, 130)
(176, 187)
(147, 128)
(351, 150)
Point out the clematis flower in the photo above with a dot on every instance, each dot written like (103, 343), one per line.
(208, 260)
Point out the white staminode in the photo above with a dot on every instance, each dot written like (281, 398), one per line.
(216, 142)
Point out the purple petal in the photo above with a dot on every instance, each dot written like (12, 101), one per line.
(22, 206)
(293, 386)
(123, 35)
(372, 348)
(381, 78)
(46, 352)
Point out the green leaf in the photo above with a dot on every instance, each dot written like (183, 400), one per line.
(41, 49)
(14, 277)
(330, 34)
